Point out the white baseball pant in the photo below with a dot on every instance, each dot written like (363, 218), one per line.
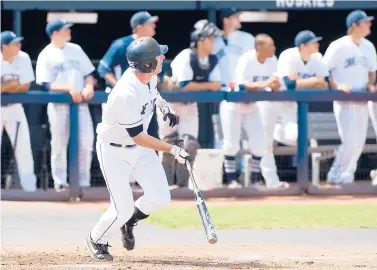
(373, 118)
(188, 120)
(118, 164)
(10, 115)
(279, 120)
(373, 114)
(58, 115)
(234, 117)
(352, 121)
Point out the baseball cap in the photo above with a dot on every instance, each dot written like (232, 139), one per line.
(357, 16)
(142, 17)
(305, 37)
(8, 37)
(229, 12)
(56, 25)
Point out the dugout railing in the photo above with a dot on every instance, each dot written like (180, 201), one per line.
(302, 97)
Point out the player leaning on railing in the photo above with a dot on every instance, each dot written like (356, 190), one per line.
(299, 68)
(63, 66)
(16, 75)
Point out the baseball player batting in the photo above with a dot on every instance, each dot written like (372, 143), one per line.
(254, 72)
(229, 47)
(298, 68)
(16, 76)
(124, 148)
(63, 66)
(352, 63)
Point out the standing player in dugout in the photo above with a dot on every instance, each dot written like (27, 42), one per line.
(125, 149)
(351, 60)
(63, 66)
(16, 75)
(300, 67)
(228, 48)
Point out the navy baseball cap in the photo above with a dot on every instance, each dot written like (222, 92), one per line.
(305, 37)
(229, 12)
(8, 37)
(142, 17)
(56, 25)
(357, 16)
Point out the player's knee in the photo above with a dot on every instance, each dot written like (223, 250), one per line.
(230, 148)
(157, 201)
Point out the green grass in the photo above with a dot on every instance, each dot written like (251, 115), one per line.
(271, 216)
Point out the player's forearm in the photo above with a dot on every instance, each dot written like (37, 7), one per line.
(89, 81)
(255, 86)
(312, 82)
(110, 78)
(23, 88)
(160, 102)
(372, 78)
(202, 86)
(10, 86)
(59, 87)
(147, 141)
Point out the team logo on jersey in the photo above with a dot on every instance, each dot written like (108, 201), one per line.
(9, 77)
(260, 78)
(355, 60)
(305, 75)
(143, 108)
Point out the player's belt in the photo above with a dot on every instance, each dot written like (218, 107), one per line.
(121, 145)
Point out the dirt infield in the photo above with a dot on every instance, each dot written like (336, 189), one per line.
(192, 257)
(50, 236)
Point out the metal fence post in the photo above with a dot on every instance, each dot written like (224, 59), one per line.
(74, 152)
(17, 22)
(302, 145)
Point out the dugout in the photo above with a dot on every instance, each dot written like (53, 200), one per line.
(28, 18)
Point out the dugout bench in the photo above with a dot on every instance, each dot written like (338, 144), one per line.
(321, 126)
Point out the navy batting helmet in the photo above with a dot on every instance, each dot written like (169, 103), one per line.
(141, 54)
(204, 29)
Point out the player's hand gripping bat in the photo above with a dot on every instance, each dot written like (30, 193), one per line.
(202, 208)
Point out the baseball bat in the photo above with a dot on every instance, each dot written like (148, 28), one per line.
(202, 208)
(8, 176)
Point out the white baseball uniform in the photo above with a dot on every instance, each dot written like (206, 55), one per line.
(68, 65)
(19, 69)
(235, 116)
(187, 112)
(350, 63)
(228, 51)
(129, 105)
(280, 118)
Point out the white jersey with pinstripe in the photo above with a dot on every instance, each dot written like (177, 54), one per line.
(350, 64)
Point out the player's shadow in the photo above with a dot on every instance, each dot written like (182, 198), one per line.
(210, 264)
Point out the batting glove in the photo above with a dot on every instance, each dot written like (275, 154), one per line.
(169, 114)
(180, 154)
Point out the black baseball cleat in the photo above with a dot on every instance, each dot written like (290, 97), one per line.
(127, 229)
(98, 251)
(128, 237)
